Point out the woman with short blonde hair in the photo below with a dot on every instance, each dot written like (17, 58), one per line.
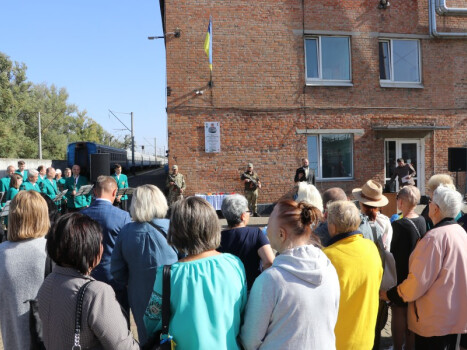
(440, 179)
(22, 266)
(140, 248)
(148, 202)
(433, 183)
(310, 194)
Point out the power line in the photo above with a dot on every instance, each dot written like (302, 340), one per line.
(119, 119)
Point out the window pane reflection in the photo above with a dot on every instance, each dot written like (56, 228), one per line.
(336, 58)
(406, 60)
(311, 58)
(336, 155)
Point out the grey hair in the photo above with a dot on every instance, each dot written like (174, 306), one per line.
(344, 215)
(409, 194)
(310, 194)
(32, 172)
(194, 226)
(233, 206)
(448, 200)
(148, 202)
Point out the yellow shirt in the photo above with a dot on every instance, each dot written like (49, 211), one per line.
(359, 268)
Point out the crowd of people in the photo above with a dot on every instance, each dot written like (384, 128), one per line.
(315, 280)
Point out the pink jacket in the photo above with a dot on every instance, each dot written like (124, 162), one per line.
(436, 286)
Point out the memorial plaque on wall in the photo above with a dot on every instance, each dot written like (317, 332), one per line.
(212, 137)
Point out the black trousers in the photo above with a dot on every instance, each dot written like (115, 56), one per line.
(445, 342)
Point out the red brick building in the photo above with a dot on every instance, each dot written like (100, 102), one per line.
(349, 84)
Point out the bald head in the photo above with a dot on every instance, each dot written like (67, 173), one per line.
(106, 187)
(333, 194)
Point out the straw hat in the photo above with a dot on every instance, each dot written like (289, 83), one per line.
(371, 194)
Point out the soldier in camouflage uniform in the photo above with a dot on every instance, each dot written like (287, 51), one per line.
(252, 183)
(176, 184)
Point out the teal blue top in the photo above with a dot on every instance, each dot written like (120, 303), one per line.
(61, 184)
(49, 188)
(27, 186)
(207, 300)
(24, 174)
(12, 192)
(5, 184)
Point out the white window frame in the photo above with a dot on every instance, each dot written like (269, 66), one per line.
(391, 83)
(319, 170)
(326, 82)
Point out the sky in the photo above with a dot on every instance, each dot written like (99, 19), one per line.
(98, 51)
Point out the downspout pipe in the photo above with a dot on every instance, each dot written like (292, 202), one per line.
(443, 10)
(432, 24)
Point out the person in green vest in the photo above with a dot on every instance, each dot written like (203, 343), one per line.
(59, 180)
(61, 187)
(15, 183)
(5, 181)
(122, 182)
(42, 175)
(49, 185)
(73, 184)
(31, 183)
(21, 170)
(66, 173)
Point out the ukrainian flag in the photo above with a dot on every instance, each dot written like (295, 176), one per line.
(208, 43)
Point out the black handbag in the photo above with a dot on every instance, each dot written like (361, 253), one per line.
(160, 340)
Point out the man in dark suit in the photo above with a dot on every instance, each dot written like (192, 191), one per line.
(112, 219)
(305, 173)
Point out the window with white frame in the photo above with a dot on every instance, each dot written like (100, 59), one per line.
(327, 60)
(331, 156)
(399, 61)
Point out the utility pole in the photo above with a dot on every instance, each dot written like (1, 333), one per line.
(40, 137)
(155, 147)
(132, 144)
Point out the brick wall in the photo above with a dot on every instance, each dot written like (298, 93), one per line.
(260, 100)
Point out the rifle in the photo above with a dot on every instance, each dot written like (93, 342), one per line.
(172, 179)
(252, 180)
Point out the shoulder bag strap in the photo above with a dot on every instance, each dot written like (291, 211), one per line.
(79, 309)
(415, 227)
(166, 299)
(375, 238)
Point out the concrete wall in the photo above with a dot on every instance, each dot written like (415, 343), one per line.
(30, 163)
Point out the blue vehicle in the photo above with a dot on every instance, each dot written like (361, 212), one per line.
(80, 153)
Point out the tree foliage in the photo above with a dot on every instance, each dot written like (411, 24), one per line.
(61, 122)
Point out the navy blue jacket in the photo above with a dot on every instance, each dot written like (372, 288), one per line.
(112, 219)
